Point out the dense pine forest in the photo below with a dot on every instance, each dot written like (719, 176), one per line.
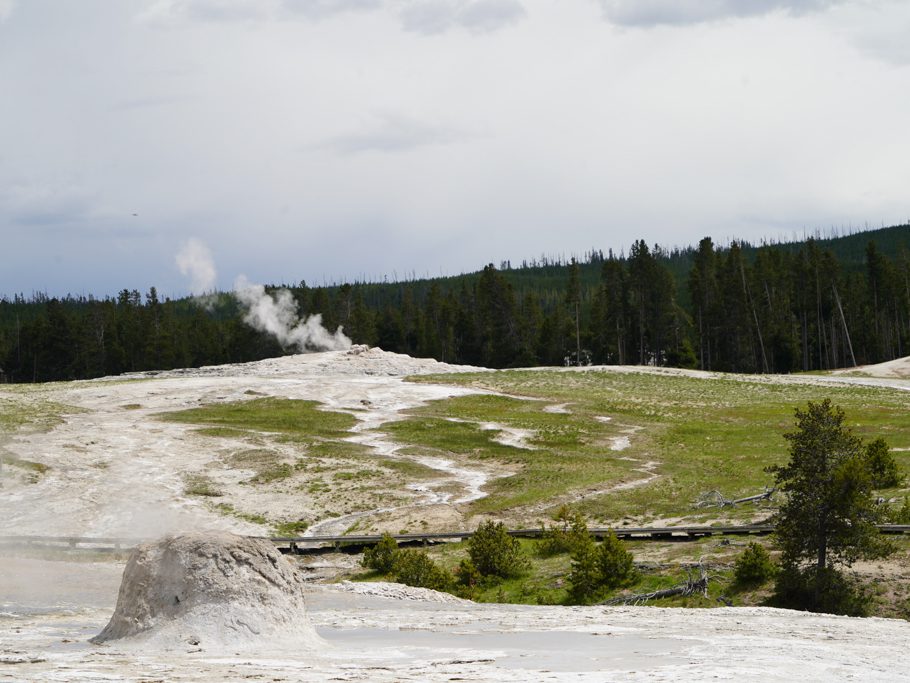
(810, 305)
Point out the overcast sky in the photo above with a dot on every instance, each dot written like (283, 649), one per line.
(330, 140)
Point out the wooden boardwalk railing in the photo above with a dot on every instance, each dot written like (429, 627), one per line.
(351, 543)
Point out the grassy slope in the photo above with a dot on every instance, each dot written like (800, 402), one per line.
(24, 409)
(704, 433)
(335, 475)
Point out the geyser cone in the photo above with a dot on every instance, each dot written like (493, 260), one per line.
(210, 589)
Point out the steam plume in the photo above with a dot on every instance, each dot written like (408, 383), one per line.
(277, 315)
(195, 260)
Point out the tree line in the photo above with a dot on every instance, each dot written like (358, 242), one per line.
(813, 305)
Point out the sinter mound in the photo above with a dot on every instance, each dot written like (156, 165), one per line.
(208, 590)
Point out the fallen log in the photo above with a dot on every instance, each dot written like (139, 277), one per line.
(690, 587)
(717, 499)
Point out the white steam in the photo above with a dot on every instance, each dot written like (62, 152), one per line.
(277, 315)
(195, 261)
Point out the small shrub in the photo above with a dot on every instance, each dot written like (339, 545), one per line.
(882, 466)
(596, 569)
(415, 568)
(494, 552)
(584, 579)
(467, 574)
(901, 515)
(754, 566)
(467, 579)
(830, 592)
(615, 564)
(565, 538)
(382, 556)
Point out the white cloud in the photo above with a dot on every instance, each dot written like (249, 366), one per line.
(6, 9)
(170, 11)
(478, 16)
(645, 13)
(426, 17)
(320, 9)
(38, 204)
(879, 28)
(392, 133)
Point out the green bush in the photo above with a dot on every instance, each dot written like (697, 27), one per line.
(882, 466)
(598, 569)
(382, 556)
(584, 578)
(467, 579)
(828, 591)
(901, 515)
(467, 574)
(615, 564)
(565, 537)
(494, 552)
(754, 566)
(415, 568)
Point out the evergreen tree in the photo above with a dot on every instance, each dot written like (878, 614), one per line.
(703, 289)
(829, 516)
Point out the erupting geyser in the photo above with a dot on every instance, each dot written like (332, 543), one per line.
(210, 590)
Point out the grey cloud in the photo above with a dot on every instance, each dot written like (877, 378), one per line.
(35, 205)
(478, 16)
(320, 9)
(427, 17)
(147, 102)
(490, 15)
(894, 49)
(6, 9)
(881, 30)
(646, 13)
(167, 11)
(392, 134)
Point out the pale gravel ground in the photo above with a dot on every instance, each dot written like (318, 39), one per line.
(117, 471)
(391, 633)
(383, 633)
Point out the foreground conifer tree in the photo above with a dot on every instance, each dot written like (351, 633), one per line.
(829, 517)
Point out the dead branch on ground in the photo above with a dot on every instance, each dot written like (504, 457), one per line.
(693, 584)
(716, 499)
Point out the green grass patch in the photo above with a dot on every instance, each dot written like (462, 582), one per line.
(33, 470)
(253, 518)
(198, 485)
(24, 410)
(704, 434)
(291, 528)
(288, 417)
(564, 451)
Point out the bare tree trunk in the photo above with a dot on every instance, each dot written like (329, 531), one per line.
(577, 337)
(701, 340)
(844, 322)
(761, 343)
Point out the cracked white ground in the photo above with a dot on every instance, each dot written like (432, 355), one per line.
(117, 472)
